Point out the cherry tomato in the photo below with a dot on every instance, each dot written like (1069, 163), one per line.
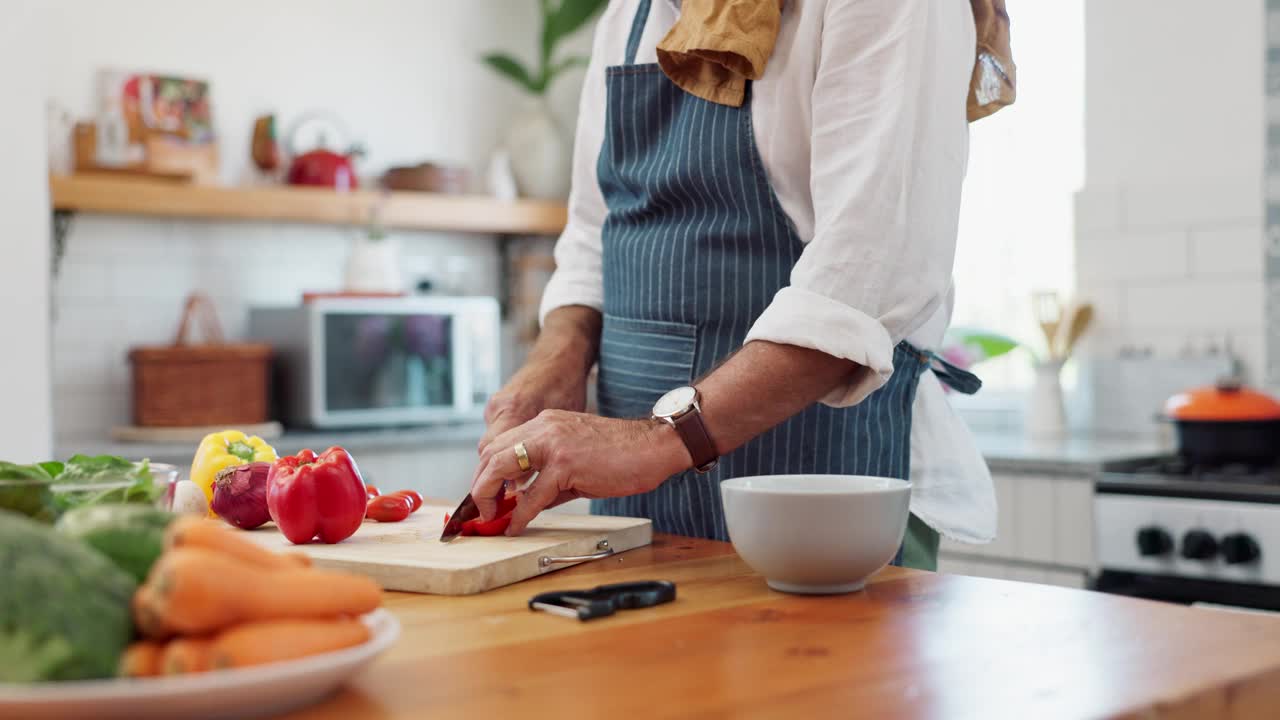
(370, 492)
(389, 508)
(412, 496)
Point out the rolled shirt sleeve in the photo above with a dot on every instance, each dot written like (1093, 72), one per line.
(886, 170)
(578, 278)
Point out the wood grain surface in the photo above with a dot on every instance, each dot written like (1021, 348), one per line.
(912, 645)
(106, 193)
(409, 556)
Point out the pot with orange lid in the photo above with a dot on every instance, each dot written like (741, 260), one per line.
(1226, 423)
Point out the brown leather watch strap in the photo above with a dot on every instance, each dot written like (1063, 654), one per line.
(693, 431)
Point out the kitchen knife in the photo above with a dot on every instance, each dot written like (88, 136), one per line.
(467, 510)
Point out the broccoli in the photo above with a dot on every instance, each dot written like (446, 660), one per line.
(64, 607)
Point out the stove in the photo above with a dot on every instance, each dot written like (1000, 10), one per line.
(1170, 530)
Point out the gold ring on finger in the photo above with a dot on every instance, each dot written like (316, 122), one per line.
(522, 457)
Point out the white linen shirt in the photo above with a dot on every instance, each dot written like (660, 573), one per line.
(860, 123)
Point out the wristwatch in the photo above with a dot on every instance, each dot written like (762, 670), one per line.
(680, 409)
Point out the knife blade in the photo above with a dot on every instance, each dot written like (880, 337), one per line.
(466, 510)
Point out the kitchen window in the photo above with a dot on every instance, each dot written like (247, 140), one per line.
(1016, 217)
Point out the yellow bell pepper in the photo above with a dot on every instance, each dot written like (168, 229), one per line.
(222, 450)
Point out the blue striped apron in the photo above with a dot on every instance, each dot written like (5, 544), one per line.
(695, 246)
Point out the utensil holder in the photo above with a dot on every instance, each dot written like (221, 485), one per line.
(1046, 416)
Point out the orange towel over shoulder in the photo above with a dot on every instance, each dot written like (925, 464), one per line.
(717, 45)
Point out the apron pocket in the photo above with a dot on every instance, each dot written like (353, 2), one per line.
(640, 361)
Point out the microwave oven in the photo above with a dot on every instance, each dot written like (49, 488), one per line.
(364, 362)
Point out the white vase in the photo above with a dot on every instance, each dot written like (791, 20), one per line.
(1046, 417)
(373, 266)
(539, 151)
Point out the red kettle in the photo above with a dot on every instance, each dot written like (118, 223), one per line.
(321, 167)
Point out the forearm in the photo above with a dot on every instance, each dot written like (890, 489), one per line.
(569, 341)
(758, 387)
(555, 374)
(763, 384)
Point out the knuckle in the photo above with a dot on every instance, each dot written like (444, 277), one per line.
(548, 492)
(497, 405)
(559, 455)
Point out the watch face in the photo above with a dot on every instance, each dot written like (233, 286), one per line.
(675, 402)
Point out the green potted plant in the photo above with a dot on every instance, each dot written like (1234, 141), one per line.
(537, 146)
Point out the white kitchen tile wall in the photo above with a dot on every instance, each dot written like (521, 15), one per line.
(1226, 249)
(1170, 221)
(1179, 205)
(122, 282)
(1098, 209)
(1188, 282)
(1191, 303)
(1109, 255)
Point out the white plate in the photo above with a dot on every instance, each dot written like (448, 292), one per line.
(246, 693)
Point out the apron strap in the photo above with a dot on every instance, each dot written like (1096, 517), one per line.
(637, 30)
(962, 381)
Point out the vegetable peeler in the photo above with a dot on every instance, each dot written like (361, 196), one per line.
(604, 600)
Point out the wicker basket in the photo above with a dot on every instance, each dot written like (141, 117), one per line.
(215, 383)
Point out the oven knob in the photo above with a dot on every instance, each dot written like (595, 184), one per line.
(1199, 545)
(1154, 540)
(1240, 548)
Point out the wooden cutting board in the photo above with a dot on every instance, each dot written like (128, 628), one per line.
(409, 556)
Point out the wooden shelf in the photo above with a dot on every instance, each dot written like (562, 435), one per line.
(401, 210)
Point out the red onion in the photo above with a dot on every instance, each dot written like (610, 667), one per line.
(240, 495)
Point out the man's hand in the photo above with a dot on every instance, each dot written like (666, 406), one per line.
(576, 456)
(537, 387)
(553, 378)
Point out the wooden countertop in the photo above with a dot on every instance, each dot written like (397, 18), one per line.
(913, 644)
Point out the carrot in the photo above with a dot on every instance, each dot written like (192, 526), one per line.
(211, 534)
(186, 655)
(141, 659)
(197, 591)
(146, 616)
(278, 640)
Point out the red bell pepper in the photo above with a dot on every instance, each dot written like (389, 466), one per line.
(496, 526)
(312, 496)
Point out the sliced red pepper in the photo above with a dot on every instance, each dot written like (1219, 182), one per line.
(507, 505)
(496, 526)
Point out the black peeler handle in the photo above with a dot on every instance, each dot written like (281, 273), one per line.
(632, 595)
(605, 600)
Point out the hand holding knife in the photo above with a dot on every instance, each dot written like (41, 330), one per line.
(465, 511)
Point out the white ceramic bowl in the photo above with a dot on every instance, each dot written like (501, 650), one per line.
(816, 534)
